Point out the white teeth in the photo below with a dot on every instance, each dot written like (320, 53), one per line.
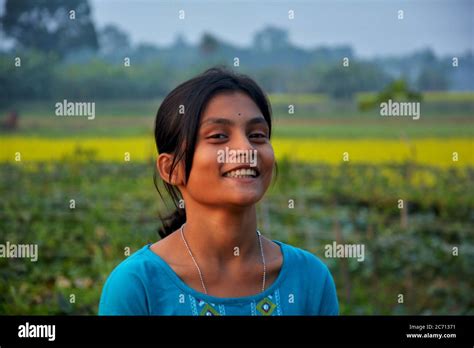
(242, 173)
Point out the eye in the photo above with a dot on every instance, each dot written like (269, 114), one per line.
(258, 135)
(217, 136)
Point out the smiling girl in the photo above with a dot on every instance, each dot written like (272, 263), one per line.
(212, 259)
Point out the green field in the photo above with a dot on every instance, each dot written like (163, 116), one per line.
(442, 115)
(409, 251)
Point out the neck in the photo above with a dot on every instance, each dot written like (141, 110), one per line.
(219, 235)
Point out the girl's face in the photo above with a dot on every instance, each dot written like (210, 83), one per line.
(233, 135)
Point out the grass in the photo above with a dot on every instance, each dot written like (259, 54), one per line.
(408, 251)
(443, 115)
(143, 126)
(437, 96)
(117, 208)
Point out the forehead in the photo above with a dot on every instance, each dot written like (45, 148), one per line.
(230, 104)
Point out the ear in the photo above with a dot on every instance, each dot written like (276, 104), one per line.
(163, 164)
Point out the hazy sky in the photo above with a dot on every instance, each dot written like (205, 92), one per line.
(370, 27)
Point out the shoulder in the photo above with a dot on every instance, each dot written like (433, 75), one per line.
(304, 260)
(313, 277)
(135, 265)
(125, 291)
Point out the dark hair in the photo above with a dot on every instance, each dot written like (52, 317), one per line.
(176, 129)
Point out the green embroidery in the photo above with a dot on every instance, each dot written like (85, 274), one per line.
(266, 307)
(208, 310)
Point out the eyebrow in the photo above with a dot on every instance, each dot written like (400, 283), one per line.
(229, 122)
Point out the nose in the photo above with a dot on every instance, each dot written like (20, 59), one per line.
(241, 142)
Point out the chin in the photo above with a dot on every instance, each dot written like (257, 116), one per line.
(243, 200)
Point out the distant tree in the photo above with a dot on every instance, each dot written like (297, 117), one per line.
(113, 40)
(272, 79)
(432, 80)
(271, 39)
(180, 41)
(396, 90)
(425, 57)
(342, 82)
(49, 25)
(208, 44)
(34, 80)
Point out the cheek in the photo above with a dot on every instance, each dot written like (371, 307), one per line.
(266, 157)
(267, 162)
(205, 166)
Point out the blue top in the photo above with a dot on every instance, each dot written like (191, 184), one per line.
(144, 284)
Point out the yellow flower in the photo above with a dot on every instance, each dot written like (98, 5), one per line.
(437, 152)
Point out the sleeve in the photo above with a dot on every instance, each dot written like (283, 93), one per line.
(123, 294)
(329, 302)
